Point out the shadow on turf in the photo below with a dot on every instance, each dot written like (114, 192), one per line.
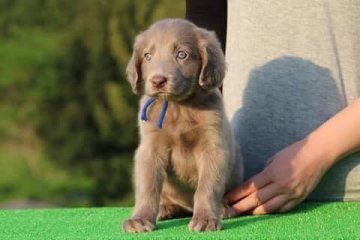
(173, 223)
(242, 220)
(227, 224)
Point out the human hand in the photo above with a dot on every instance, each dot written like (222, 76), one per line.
(287, 179)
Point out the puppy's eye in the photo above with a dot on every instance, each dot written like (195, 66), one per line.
(147, 56)
(181, 55)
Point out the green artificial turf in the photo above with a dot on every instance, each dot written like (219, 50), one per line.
(309, 221)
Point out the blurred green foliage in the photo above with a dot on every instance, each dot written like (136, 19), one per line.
(64, 97)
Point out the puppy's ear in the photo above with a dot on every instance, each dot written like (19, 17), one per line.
(213, 61)
(133, 69)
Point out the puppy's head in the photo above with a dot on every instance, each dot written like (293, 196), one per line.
(173, 58)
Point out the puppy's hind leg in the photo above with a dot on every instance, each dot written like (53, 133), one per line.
(169, 210)
(174, 202)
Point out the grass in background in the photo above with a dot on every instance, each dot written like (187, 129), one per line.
(26, 175)
(36, 39)
(22, 181)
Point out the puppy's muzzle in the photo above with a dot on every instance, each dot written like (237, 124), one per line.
(158, 82)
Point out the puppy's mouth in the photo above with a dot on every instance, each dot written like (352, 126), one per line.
(163, 95)
(160, 94)
(171, 96)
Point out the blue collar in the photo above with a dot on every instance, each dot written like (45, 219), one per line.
(147, 104)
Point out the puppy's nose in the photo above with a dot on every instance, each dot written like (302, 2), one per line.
(158, 81)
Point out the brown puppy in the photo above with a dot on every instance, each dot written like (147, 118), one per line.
(186, 166)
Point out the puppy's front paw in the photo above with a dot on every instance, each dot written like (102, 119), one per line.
(138, 225)
(204, 224)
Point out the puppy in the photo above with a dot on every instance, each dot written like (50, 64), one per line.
(186, 166)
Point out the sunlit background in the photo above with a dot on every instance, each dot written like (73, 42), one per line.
(67, 115)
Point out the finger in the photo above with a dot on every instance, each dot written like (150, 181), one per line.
(288, 206)
(251, 185)
(256, 199)
(272, 205)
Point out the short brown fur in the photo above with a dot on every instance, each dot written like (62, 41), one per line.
(186, 166)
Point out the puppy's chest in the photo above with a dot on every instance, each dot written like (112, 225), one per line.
(183, 157)
(184, 130)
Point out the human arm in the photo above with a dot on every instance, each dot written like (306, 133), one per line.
(294, 172)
